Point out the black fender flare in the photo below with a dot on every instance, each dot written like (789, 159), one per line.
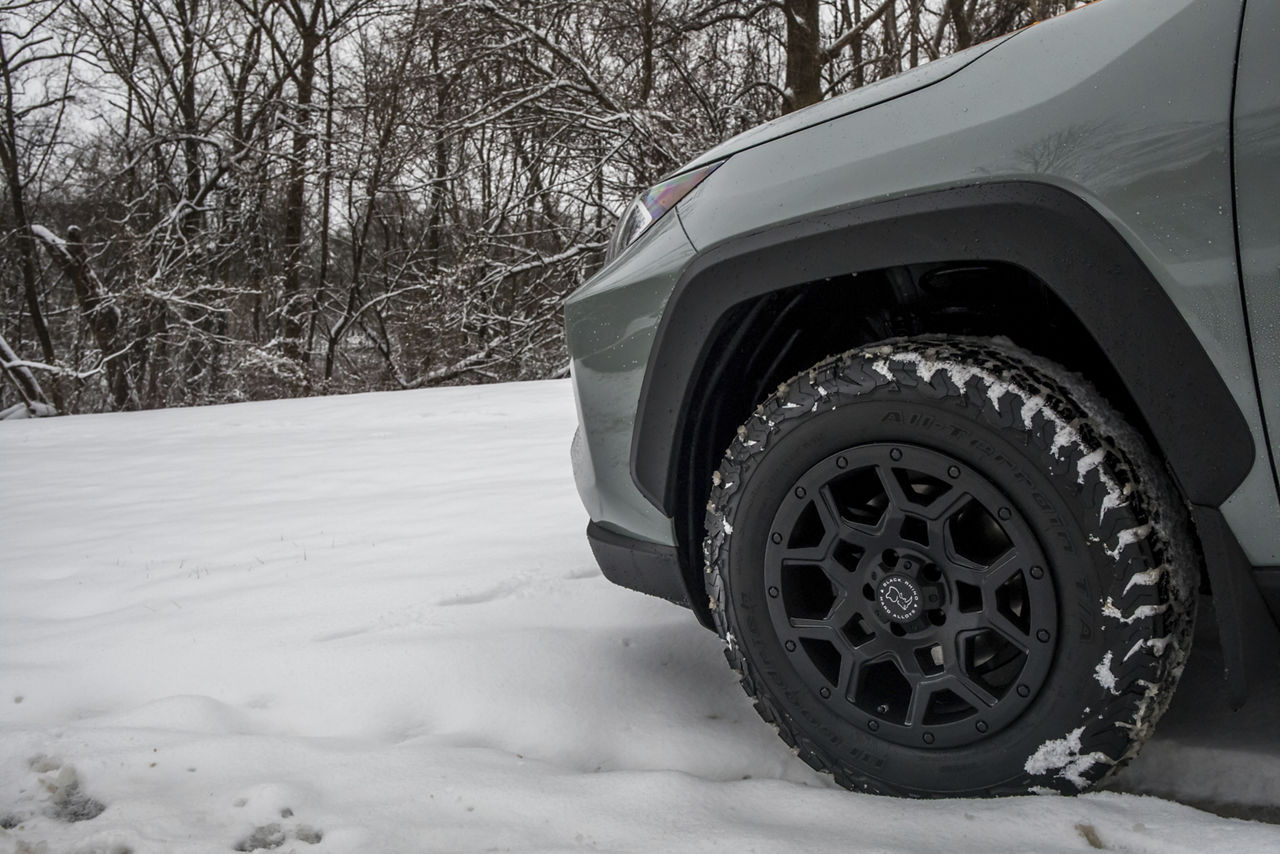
(1062, 241)
(1041, 228)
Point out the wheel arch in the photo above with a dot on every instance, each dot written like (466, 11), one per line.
(751, 311)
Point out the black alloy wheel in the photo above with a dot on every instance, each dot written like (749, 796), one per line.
(913, 590)
(946, 567)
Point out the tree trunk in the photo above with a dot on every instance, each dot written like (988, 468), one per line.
(295, 208)
(191, 217)
(960, 20)
(804, 55)
(914, 23)
(646, 50)
(26, 244)
(96, 306)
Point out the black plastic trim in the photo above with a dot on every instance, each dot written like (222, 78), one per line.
(1040, 228)
(638, 565)
(1250, 638)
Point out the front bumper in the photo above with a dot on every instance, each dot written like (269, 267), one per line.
(610, 323)
(637, 565)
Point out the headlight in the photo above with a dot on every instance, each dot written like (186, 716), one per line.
(650, 205)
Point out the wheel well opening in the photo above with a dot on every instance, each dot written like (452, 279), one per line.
(762, 342)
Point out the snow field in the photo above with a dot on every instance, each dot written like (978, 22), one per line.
(372, 624)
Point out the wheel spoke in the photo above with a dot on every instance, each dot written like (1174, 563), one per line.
(827, 509)
(872, 650)
(831, 527)
(837, 577)
(850, 667)
(998, 622)
(958, 623)
(964, 687)
(811, 554)
(937, 519)
(846, 607)
(859, 533)
(942, 508)
(898, 501)
(817, 629)
(1006, 566)
(918, 706)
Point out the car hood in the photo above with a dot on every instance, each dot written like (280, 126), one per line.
(851, 102)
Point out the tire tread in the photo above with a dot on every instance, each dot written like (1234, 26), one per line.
(999, 380)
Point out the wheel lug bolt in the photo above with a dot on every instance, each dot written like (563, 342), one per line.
(873, 725)
(790, 645)
(826, 693)
(841, 462)
(928, 738)
(906, 564)
(1024, 691)
(953, 472)
(773, 592)
(777, 538)
(1037, 573)
(1043, 636)
(800, 493)
(981, 726)
(895, 455)
(1004, 514)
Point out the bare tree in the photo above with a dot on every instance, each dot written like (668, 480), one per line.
(277, 197)
(35, 71)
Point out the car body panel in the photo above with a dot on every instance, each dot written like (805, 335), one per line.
(848, 103)
(610, 325)
(1257, 181)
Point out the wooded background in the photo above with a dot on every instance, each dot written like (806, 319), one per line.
(218, 200)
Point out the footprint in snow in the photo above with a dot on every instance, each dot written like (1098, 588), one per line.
(268, 836)
(67, 801)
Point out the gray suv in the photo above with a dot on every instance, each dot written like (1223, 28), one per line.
(963, 556)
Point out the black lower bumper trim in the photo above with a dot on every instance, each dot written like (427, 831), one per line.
(638, 565)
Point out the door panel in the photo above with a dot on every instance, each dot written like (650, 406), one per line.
(1257, 179)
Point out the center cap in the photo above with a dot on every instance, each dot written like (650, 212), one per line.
(899, 597)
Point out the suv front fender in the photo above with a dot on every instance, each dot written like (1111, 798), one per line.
(1039, 228)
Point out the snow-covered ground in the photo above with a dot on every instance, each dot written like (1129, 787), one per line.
(372, 624)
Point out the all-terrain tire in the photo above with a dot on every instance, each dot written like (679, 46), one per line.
(947, 567)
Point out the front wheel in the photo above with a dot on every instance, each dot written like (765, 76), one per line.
(946, 567)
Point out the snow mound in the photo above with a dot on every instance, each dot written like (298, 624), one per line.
(372, 623)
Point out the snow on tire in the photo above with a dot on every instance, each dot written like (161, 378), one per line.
(947, 567)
